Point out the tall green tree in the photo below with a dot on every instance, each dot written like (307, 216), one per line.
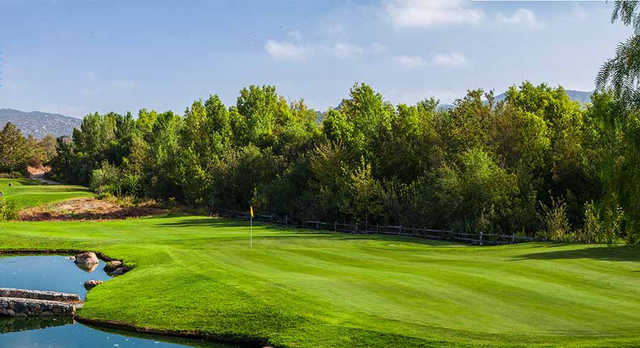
(14, 151)
(622, 72)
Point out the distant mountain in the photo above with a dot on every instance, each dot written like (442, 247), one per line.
(579, 96)
(39, 124)
(446, 106)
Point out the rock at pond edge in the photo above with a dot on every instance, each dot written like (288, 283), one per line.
(87, 258)
(90, 284)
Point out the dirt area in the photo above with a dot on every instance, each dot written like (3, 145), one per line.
(39, 173)
(87, 209)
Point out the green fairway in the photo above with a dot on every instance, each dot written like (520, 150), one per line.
(307, 289)
(26, 193)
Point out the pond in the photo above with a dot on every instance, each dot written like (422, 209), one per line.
(58, 273)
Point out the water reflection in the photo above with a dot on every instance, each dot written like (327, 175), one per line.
(25, 324)
(53, 273)
(87, 267)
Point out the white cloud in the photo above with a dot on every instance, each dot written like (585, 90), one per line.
(411, 62)
(449, 60)
(346, 50)
(281, 50)
(429, 13)
(442, 60)
(522, 16)
(289, 51)
(349, 50)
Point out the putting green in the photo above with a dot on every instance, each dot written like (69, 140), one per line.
(307, 289)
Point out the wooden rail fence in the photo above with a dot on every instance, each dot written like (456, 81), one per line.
(355, 228)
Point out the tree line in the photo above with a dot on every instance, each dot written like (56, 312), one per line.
(17, 151)
(535, 163)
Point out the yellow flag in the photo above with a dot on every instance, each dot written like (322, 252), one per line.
(251, 211)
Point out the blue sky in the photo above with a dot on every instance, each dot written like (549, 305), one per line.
(75, 57)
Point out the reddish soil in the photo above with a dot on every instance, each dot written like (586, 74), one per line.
(38, 171)
(86, 209)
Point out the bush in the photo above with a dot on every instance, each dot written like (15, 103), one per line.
(592, 228)
(8, 210)
(556, 222)
(106, 180)
(105, 196)
(612, 226)
(601, 225)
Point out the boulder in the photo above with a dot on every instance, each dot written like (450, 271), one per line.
(88, 258)
(119, 271)
(112, 266)
(87, 261)
(90, 284)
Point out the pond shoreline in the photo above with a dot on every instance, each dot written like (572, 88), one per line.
(243, 341)
(112, 324)
(72, 252)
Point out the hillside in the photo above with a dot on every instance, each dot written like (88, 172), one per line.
(579, 96)
(39, 124)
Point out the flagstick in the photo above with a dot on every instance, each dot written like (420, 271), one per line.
(251, 228)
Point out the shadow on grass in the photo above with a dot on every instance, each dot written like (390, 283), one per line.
(222, 223)
(613, 253)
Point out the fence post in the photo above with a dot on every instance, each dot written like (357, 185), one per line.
(513, 238)
(356, 227)
(480, 237)
(400, 229)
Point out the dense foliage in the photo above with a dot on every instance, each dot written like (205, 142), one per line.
(8, 210)
(16, 151)
(536, 162)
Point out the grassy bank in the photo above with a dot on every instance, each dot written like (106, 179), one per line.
(307, 289)
(27, 193)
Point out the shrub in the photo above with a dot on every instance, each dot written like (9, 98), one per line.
(592, 228)
(556, 222)
(107, 179)
(106, 196)
(8, 210)
(612, 226)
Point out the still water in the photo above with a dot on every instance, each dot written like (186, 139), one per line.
(57, 273)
